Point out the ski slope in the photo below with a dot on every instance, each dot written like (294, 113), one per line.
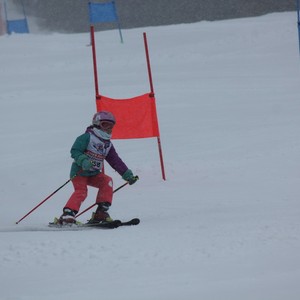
(225, 225)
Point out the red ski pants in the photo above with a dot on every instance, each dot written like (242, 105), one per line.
(101, 181)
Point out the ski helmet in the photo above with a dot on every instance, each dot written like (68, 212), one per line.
(103, 116)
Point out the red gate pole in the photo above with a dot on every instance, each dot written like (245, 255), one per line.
(152, 95)
(148, 63)
(1, 22)
(92, 30)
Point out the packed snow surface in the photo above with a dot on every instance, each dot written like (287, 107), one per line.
(224, 225)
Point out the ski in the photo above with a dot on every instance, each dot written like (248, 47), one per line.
(109, 225)
(74, 227)
(114, 224)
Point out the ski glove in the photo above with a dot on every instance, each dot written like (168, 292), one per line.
(129, 177)
(84, 162)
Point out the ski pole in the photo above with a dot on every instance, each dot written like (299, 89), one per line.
(47, 198)
(97, 203)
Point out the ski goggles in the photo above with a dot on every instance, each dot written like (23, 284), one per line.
(107, 126)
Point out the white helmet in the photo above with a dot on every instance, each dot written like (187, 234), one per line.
(105, 121)
(103, 116)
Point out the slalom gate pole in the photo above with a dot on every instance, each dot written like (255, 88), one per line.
(46, 198)
(97, 203)
(152, 95)
(92, 32)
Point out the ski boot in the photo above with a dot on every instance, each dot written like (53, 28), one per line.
(101, 215)
(67, 218)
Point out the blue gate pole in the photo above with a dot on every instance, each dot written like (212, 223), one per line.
(118, 22)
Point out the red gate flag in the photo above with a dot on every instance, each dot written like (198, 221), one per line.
(135, 117)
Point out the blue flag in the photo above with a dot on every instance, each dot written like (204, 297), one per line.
(102, 12)
(17, 26)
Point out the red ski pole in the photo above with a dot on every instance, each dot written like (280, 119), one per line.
(97, 203)
(46, 199)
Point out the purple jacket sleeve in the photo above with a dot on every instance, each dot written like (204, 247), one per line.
(115, 161)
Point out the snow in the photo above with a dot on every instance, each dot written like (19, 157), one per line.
(225, 224)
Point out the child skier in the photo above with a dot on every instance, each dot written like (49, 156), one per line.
(89, 151)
